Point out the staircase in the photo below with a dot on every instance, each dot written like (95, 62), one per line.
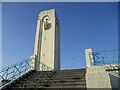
(50, 79)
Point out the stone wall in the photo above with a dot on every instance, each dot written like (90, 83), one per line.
(103, 76)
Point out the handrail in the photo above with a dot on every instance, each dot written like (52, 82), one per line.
(12, 72)
(115, 68)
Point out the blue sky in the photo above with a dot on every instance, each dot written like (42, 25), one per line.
(82, 25)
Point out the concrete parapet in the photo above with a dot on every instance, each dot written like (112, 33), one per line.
(89, 57)
(114, 73)
(97, 77)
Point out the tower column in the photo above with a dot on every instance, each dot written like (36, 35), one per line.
(47, 40)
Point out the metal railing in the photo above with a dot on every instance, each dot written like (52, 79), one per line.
(44, 67)
(114, 68)
(12, 72)
(106, 57)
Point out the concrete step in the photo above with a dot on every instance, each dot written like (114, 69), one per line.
(58, 74)
(49, 82)
(82, 69)
(66, 88)
(51, 79)
(32, 85)
(79, 75)
(51, 88)
(56, 80)
(72, 71)
(27, 86)
(57, 77)
(69, 84)
(69, 73)
(52, 84)
(41, 75)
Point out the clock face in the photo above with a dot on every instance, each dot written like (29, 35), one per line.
(47, 23)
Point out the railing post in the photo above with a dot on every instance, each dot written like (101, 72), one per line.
(34, 64)
(89, 57)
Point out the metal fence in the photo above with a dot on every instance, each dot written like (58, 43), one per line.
(14, 71)
(106, 57)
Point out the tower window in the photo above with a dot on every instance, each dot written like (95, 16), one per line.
(47, 23)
